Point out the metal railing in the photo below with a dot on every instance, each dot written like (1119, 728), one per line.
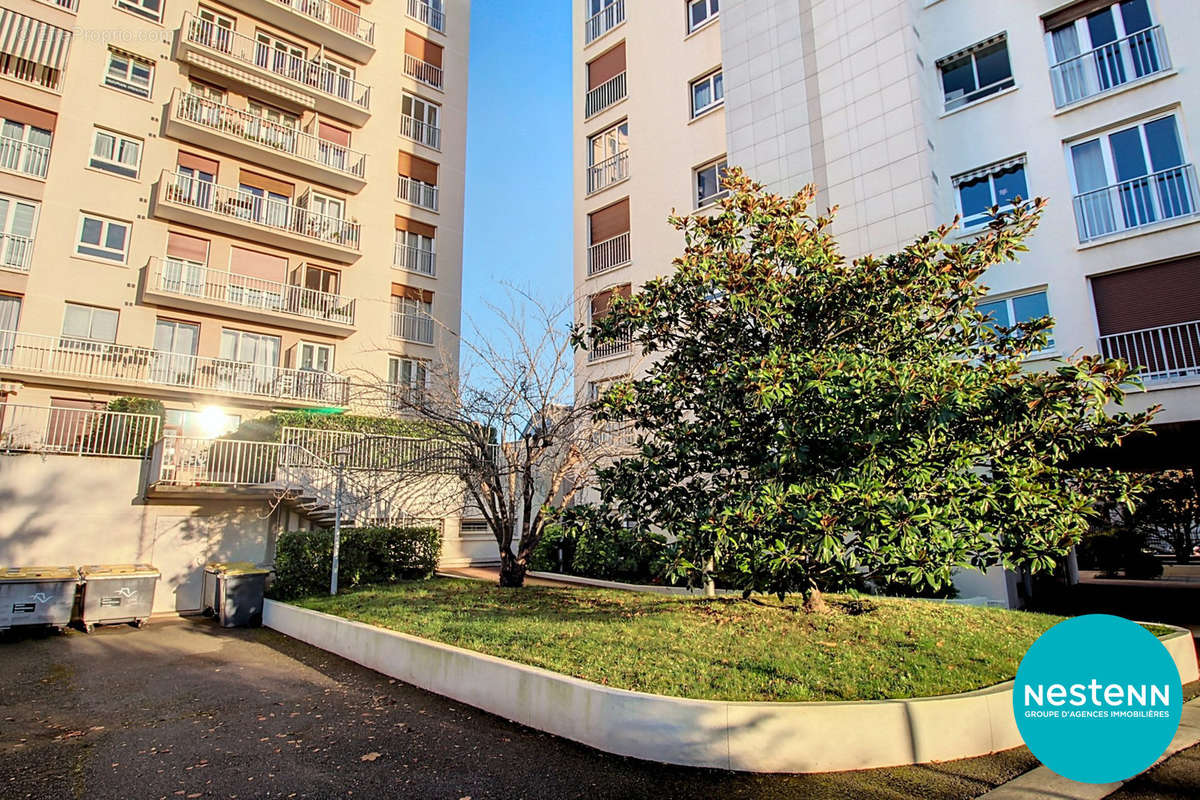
(417, 193)
(65, 5)
(1168, 352)
(243, 125)
(184, 279)
(608, 254)
(76, 431)
(335, 16)
(609, 17)
(1110, 66)
(249, 51)
(423, 71)
(31, 72)
(31, 353)
(414, 259)
(16, 252)
(1169, 194)
(424, 12)
(607, 172)
(238, 204)
(412, 327)
(420, 131)
(368, 451)
(610, 349)
(194, 461)
(606, 94)
(24, 157)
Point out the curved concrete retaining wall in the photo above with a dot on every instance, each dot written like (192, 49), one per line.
(755, 737)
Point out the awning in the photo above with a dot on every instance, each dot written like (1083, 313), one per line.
(990, 169)
(33, 40)
(975, 48)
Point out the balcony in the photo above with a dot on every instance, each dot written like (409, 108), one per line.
(1110, 66)
(417, 193)
(608, 172)
(255, 65)
(1166, 353)
(188, 286)
(609, 254)
(24, 158)
(260, 141)
(620, 347)
(1139, 203)
(609, 17)
(118, 367)
(414, 259)
(420, 132)
(606, 95)
(423, 71)
(16, 252)
(427, 13)
(336, 27)
(235, 212)
(412, 327)
(66, 431)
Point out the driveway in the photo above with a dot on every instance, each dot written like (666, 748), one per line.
(185, 709)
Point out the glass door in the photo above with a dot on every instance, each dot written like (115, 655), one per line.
(175, 353)
(10, 317)
(18, 218)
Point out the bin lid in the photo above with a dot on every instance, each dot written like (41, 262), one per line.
(38, 574)
(236, 568)
(115, 570)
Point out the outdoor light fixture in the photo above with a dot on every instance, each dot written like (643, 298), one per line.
(339, 457)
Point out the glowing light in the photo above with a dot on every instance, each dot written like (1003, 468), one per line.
(213, 421)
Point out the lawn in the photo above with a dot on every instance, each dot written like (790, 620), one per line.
(712, 649)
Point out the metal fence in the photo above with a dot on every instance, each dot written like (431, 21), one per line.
(76, 431)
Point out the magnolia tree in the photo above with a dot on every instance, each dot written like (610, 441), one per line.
(807, 422)
(1170, 512)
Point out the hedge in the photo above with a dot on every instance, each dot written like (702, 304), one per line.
(304, 559)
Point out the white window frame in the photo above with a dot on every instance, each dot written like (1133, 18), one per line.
(709, 79)
(92, 314)
(120, 143)
(712, 10)
(992, 171)
(973, 52)
(102, 252)
(16, 254)
(716, 163)
(309, 350)
(126, 82)
(140, 8)
(419, 368)
(1008, 298)
(1104, 137)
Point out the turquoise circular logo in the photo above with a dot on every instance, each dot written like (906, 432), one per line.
(1097, 699)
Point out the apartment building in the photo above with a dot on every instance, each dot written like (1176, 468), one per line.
(906, 113)
(233, 206)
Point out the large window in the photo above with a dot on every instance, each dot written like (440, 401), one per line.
(708, 92)
(996, 185)
(88, 324)
(101, 237)
(701, 12)
(1006, 312)
(419, 120)
(316, 357)
(250, 348)
(24, 148)
(116, 153)
(150, 9)
(707, 183)
(18, 220)
(129, 73)
(977, 72)
(1097, 51)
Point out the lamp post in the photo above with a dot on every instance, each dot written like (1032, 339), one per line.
(339, 458)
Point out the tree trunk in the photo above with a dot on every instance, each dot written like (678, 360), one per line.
(710, 585)
(814, 602)
(512, 570)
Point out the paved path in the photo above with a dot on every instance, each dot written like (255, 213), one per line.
(184, 709)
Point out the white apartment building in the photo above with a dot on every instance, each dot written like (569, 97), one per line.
(905, 113)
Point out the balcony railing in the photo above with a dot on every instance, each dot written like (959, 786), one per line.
(65, 5)
(422, 71)
(311, 74)
(182, 279)
(607, 172)
(420, 131)
(412, 327)
(76, 431)
(1169, 352)
(238, 204)
(123, 364)
(609, 17)
(365, 451)
(24, 157)
(417, 193)
(609, 254)
(606, 94)
(425, 13)
(1110, 66)
(415, 259)
(193, 461)
(335, 16)
(609, 349)
(1166, 195)
(241, 124)
(16, 252)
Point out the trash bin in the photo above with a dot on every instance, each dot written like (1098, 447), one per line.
(37, 596)
(234, 593)
(114, 593)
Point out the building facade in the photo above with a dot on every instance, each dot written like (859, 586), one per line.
(906, 113)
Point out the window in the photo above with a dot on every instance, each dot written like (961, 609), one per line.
(281, 57)
(316, 357)
(174, 352)
(24, 148)
(701, 12)
(250, 348)
(707, 93)
(85, 324)
(115, 153)
(18, 219)
(150, 9)
(419, 120)
(708, 183)
(409, 380)
(977, 72)
(1095, 52)
(415, 252)
(201, 424)
(996, 185)
(412, 316)
(129, 73)
(1008, 311)
(101, 237)
(213, 29)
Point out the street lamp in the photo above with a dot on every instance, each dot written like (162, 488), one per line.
(339, 458)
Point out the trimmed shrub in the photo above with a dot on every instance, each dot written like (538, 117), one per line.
(587, 544)
(304, 559)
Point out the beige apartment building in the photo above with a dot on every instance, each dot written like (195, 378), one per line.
(906, 113)
(233, 206)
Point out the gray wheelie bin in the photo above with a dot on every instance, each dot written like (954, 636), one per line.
(233, 592)
(116, 593)
(37, 596)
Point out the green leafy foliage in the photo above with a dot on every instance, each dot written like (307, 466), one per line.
(806, 422)
(267, 428)
(138, 405)
(587, 543)
(304, 559)
(1169, 514)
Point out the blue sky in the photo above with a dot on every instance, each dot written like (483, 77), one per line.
(519, 183)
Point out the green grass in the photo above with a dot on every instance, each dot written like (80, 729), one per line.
(712, 649)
